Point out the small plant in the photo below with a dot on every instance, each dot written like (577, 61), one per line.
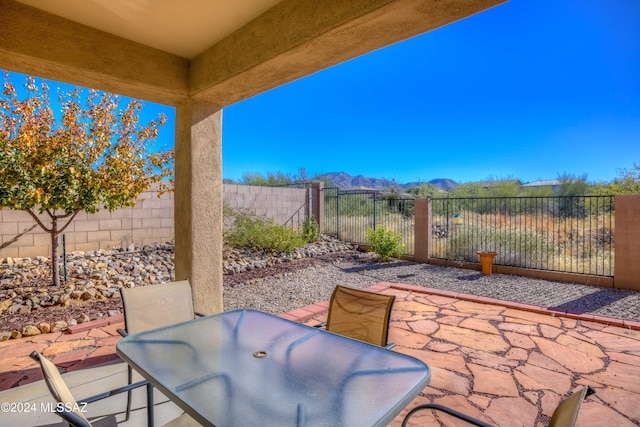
(385, 243)
(310, 229)
(258, 233)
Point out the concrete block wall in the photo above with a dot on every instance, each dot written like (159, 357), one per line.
(277, 203)
(149, 221)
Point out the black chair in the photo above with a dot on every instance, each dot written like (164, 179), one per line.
(565, 414)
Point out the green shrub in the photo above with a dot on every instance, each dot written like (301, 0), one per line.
(385, 243)
(258, 233)
(310, 229)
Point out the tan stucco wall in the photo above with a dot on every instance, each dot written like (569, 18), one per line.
(627, 243)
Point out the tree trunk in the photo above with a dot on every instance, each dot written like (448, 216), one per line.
(55, 256)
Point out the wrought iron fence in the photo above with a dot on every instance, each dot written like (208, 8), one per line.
(568, 234)
(348, 215)
(297, 219)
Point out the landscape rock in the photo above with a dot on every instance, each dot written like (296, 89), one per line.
(30, 330)
(83, 319)
(97, 276)
(59, 326)
(44, 327)
(5, 304)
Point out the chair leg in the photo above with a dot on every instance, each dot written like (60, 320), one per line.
(150, 420)
(150, 416)
(130, 376)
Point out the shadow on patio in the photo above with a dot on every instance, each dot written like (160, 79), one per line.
(508, 365)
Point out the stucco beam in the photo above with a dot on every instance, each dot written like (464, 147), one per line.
(38, 43)
(297, 38)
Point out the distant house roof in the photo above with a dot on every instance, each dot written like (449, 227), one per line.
(489, 184)
(359, 188)
(543, 183)
(380, 193)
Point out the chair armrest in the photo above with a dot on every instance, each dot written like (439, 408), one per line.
(114, 392)
(122, 332)
(70, 417)
(389, 346)
(446, 410)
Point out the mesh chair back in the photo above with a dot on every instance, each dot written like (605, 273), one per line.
(361, 315)
(57, 386)
(566, 413)
(149, 307)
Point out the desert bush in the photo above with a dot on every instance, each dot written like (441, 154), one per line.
(258, 233)
(385, 242)
(310, 229)
(516, 246)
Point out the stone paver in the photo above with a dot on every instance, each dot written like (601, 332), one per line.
(493, 381)
(471, 338)
(521, 364)
(503, 363)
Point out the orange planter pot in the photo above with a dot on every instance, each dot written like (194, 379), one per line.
(486, 259)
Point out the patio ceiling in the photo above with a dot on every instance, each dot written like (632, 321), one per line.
(215, 51)
(183, 28)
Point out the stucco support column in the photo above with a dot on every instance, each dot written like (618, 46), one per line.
(627, 243)
(317, 202)
(422, 230)
(198, 202)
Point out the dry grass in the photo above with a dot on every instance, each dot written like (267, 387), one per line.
(576, 245)
(545, 242)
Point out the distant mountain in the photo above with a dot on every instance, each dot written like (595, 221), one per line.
(442, 183)
(345, 181)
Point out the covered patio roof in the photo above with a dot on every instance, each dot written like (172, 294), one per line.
(200, 56)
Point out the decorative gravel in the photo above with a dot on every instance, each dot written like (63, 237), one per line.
(295, 289)
(274, 283)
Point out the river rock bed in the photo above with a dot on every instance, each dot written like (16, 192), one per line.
(30, 304)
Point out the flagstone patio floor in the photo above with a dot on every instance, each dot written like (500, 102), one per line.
(508, 364)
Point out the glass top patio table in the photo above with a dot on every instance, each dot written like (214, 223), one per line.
(246, 367)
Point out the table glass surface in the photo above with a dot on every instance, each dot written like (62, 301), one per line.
(245, 367)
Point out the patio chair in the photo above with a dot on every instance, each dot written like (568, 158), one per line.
(154, 306)
(360, 315)
(565, 414)
(72, 411)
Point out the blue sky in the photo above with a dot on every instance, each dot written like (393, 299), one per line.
(528, 90)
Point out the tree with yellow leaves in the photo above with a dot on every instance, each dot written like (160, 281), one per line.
(93, 154)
